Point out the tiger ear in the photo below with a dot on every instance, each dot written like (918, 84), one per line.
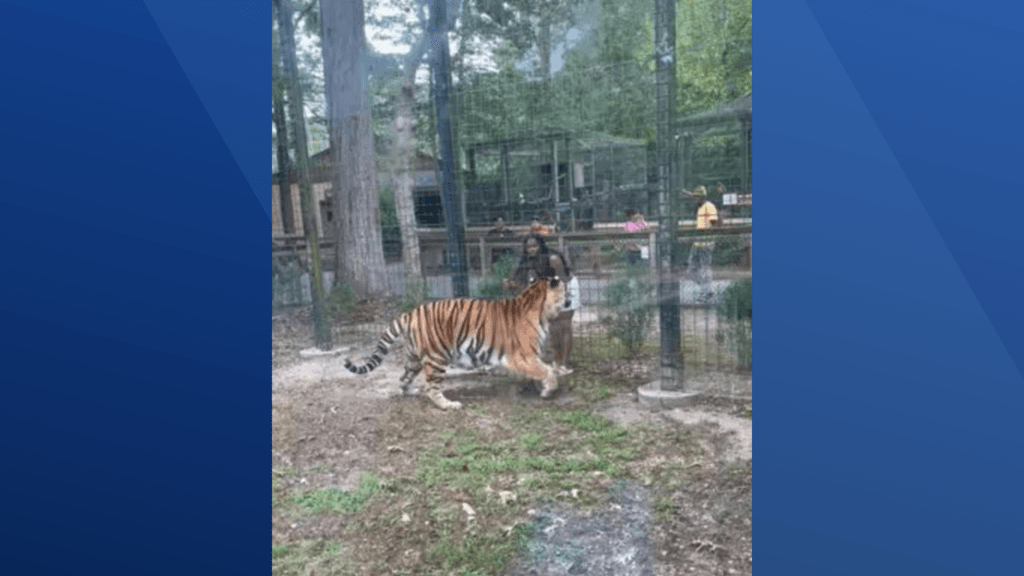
(554, 282)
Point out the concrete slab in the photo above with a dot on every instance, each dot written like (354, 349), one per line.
(652, 396)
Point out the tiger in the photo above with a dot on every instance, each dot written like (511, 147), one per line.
(477, 332)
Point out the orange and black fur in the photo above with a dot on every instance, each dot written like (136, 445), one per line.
(477, 333)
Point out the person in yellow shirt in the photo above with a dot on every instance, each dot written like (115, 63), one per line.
(537, 227)
(699, 262)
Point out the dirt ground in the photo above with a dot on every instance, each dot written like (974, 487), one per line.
(331, 428)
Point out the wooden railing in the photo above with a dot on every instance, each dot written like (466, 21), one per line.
(480, 248)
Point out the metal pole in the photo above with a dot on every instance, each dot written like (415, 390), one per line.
(671, 372)
(446, 161)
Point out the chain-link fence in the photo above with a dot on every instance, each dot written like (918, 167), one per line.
(573, 153)
(618, 313)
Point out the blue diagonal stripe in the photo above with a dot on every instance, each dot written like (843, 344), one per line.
(204, 40)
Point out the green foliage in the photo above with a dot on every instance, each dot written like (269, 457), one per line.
(736, 312)
(388, 210)
(737, 301)
(490, 287)
(713, 49)
(416, 293)
(629, 300)
(340, 301)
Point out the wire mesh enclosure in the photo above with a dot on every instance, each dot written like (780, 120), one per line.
(569, 151)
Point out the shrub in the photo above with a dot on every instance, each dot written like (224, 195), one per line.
(736, 314)
(630, 303)
(490, 287)
(415, 293)
(340, 301)
(737, 302)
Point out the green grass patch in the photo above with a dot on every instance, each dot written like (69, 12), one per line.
(586, 421)
(516, 458)
(550, 443)
(329, 501)
(479, 554)
(311, 557)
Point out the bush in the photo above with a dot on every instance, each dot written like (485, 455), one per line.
(340, 301)
(736, 312)
(490, 287)
(737, 302)
(630, 301)
(415, 293)
(287, 284)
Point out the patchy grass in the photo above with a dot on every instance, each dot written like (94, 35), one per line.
(463, 506)
(698, 351)
(337, 501)
(460, 492)
(428, 492)
(311, 557)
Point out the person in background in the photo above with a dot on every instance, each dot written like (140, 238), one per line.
(634, 223)
(699, 262)
(499, 233)
(538, 227)
(539, 261)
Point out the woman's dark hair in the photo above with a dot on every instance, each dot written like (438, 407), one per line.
(543, 246)
(545, 268)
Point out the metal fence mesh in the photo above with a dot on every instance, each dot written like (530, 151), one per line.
(574, 151)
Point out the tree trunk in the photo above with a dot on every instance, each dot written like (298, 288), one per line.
(360, 254)
(404, 161)
(321, 331)
(284, 163)
(404, 165)
(544, 44)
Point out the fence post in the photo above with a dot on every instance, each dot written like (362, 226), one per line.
(652, 243)
(671, 374)
(484, 260)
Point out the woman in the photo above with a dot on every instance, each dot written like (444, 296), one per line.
(539, 261)
(634, 223)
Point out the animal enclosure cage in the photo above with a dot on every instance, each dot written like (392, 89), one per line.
(575, 150)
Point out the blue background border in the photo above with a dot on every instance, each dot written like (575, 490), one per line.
(136, 303)
(137, 300)
(889, 271)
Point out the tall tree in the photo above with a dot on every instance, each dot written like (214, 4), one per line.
(403, 163)
(360, 253)
(321, 331)
(524, 26)
(404, 129)
(284, 164)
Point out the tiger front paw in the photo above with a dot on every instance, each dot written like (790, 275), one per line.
(548, 391)
(443, 403)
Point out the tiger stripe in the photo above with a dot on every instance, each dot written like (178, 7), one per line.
(508, 333)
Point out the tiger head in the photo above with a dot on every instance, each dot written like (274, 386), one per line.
(548, 295)
(556, 298)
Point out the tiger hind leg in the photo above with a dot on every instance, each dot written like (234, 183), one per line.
(412, 369)
(432, 389)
